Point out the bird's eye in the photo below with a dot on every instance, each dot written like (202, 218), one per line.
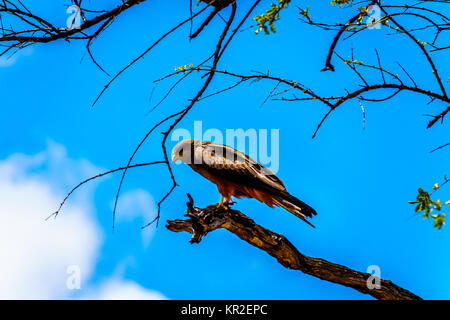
(180, 154)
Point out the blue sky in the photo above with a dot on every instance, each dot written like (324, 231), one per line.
(359, 181)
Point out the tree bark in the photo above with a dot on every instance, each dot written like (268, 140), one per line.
(202, 221)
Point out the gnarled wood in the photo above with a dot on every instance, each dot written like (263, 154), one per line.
(202, 221)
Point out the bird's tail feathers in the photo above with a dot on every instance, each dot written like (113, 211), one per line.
(296, 207)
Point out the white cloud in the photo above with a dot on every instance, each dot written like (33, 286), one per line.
(36, 253)
(134, 204)
(117, 289)
(137, 204)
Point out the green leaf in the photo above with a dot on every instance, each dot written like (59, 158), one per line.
(270, 16)
(439, 220)
(426, 205)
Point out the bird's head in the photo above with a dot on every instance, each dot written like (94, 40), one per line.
(182, 151)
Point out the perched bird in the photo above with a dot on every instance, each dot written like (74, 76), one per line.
(238, 175)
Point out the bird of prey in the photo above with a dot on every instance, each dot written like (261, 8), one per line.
(238, 175)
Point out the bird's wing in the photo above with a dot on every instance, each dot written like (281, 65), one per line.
(235, 166)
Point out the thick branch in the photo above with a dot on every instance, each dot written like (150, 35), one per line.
(202, 221)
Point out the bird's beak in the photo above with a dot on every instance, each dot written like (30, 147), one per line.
(174, 158)
(177, 157)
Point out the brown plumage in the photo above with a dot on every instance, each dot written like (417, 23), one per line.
(238, 175)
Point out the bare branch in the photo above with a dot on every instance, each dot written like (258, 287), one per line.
(200, 222)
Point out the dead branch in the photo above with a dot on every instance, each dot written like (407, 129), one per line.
(200, 222)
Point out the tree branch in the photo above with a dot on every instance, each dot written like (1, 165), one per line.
(202, 221)
(52, 33)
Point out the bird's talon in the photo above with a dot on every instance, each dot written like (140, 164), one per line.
(223, 206)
